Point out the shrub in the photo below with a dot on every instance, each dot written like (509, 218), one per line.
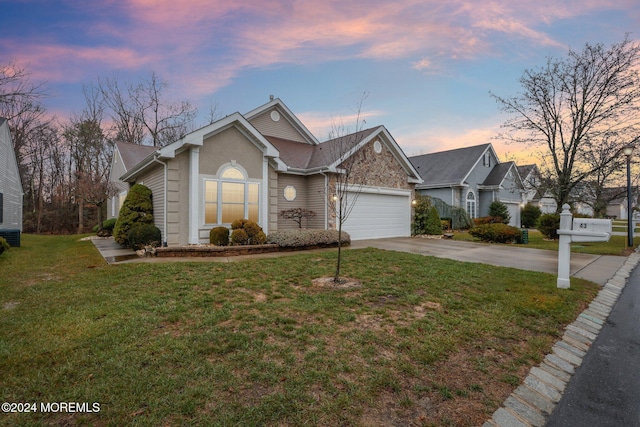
(421, 211)
(433, 224)
(239, 237)
(144, 235)
(488, 220)
(497, 233)
(254, 233)
(548, 225)
(4, 246)
(137, 209)
(530, 215)
(219, 236)
(500, 210)
(446, 223)
(107, 227)
(303, 237)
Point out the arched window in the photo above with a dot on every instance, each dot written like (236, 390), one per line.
(231, 197)
(471, 204)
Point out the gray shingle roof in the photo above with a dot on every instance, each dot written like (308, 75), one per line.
(448, 167)
(299, 155)
(497, 174)
(132, 154)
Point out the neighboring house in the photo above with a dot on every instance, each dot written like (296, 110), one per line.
(471, 178)
(531, 180)
(10, 188)
(259, 164)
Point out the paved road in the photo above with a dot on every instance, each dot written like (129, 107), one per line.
(605, 388)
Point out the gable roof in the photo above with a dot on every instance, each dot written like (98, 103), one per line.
(449, 167)
(132, 154)
(499, 173)
(287, 114)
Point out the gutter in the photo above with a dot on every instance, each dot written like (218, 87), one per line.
(164, 217)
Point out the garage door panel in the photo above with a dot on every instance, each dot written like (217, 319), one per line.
(379, 215)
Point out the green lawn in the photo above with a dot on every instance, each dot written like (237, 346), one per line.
(615, 246)
(422, 340)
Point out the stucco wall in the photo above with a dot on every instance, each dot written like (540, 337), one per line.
(230, 145)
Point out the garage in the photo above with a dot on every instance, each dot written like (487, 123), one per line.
(379, 214)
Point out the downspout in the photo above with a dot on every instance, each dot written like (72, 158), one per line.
(326, 201)
(164, 216)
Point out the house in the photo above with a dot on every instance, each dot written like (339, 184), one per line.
(532, 182)
(10, 188)
(258, 164)
(471, 178)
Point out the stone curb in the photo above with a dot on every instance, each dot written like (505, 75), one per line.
(533, 401)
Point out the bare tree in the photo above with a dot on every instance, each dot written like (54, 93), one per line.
(142, 114)
(345, 185)
(572, 106)
(90, 154)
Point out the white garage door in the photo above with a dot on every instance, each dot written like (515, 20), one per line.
(379, 215)
(514, 213)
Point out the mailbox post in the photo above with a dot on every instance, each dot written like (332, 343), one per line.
(583, 230)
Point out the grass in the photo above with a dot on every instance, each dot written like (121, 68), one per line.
(420, 340)
(615, 246)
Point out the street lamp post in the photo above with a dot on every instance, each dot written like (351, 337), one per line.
(627, 152)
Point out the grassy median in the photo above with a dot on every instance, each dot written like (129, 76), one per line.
(414, 341)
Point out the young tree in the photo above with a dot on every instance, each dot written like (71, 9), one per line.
(571, 106)
(498, 209)
(344, 186)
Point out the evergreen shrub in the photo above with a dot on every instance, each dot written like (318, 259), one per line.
(254, 233)
(497, 233)
(530, 215)
(219, 236)
(137, 209)
(4, 245)
(500, 210)
(144, 235)
(548, 225)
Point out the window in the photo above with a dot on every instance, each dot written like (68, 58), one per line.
(289, 193)
(231, 197)
(471, 204)
(486, 160)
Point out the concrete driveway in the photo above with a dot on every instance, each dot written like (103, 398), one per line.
(596, 268)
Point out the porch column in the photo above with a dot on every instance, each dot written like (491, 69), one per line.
(194, 195)
(263, 197)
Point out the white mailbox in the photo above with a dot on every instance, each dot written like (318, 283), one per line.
(591, 230)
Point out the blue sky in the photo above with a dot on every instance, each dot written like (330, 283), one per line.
(427, 66)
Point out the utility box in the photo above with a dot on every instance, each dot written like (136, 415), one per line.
(12, 236)
(525, 236)
(591, 225)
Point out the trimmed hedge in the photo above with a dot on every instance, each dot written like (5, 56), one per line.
(4, 246)
(144, 235)
(304, 237)
(497, 233)
(219, 236)
(247, 232)
(530, 215)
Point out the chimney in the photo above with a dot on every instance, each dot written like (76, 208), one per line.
(270, 97)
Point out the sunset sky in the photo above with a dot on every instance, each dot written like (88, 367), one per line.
(428, 66)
